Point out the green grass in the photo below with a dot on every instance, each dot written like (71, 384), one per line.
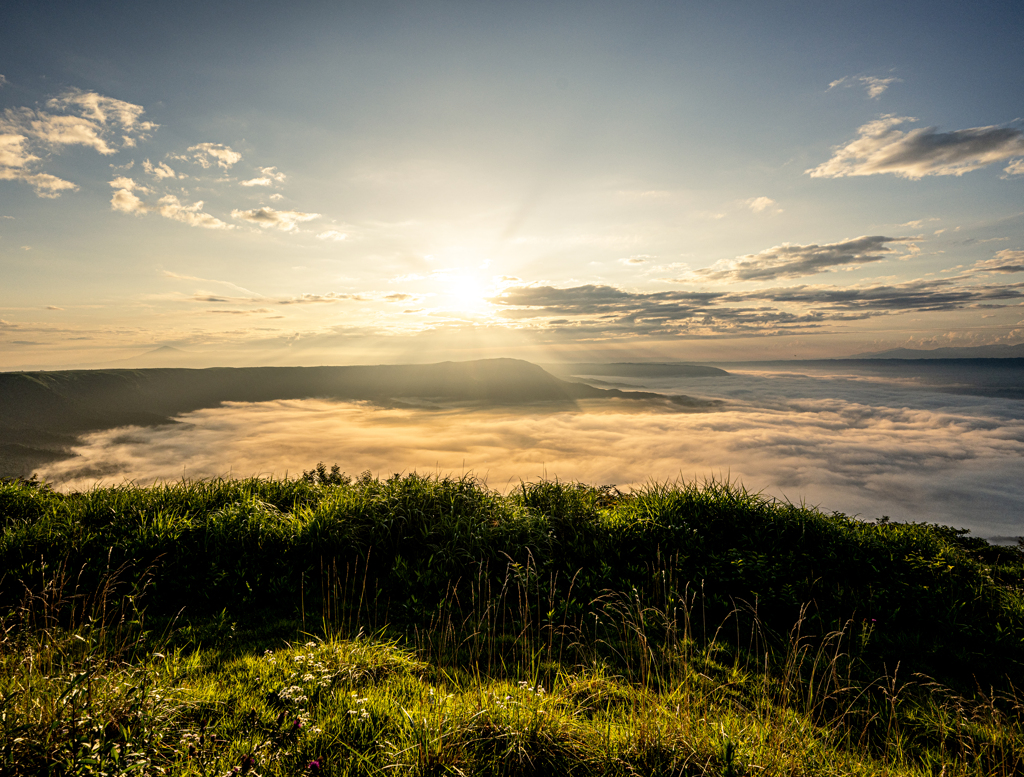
(431, 626)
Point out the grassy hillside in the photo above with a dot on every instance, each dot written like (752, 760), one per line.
(331, 625)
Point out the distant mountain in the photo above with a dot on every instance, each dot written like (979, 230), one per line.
(962, 352)
(43, 413)
(636, 370)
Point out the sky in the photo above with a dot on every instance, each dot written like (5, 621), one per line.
(344, 183)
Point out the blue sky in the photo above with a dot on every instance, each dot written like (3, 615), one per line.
(330, 183)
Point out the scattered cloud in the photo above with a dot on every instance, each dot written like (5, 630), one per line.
(307, 299)
(46, 185)
(332, 234)
(881, 148)
(104, 110)
(87, 119)
(634, 260)
(158, 171)
(792, 261)
(285, 220)
(171, 208)
(1016, 167)
(53, 307)
(3, 81)
(270, 175)
(207, 154)
(124, 200)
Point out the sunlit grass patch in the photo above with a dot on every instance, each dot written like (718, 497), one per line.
(420, 625)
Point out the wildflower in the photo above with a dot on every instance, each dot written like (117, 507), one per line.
(313, 767)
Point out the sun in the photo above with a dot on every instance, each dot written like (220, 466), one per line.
(467, 293)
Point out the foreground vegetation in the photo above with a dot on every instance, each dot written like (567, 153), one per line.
(431, 626)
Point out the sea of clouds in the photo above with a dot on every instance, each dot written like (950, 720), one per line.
(852, 443)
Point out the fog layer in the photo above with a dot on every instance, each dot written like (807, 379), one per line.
(842, 442)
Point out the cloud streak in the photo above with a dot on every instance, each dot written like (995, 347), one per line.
(284, 220)
(793, 261)
(875, 86)
(882, 148)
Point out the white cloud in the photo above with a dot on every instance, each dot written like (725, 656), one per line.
(122, 182)
(53, 130)
(761, 204)
(171, 208)
(874, 86)
(92, 120)
(332, 234)
(3, 81)
(634, 260)
(46, 185)
(158, 171)
(276, 197)
(269, 177)
(285, 220)
(1016, 167)
(881, 148)
(104, 110)
(206, 154)
(13, 152)
(124, 201)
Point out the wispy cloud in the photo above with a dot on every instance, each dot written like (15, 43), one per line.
(874, 86)
(881, 148)
(792, 261)
(284, 220)
(312, 299)
(332, 234)
(179, 277)
(761, 204)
